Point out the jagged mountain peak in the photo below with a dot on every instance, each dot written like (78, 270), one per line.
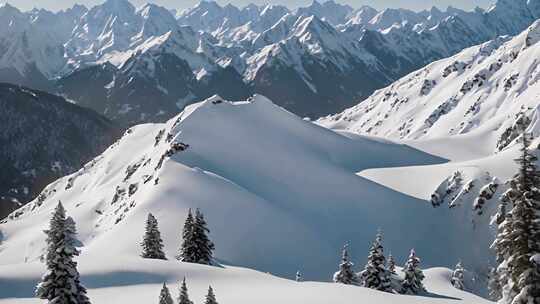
(329, 11)
(273, 10)
(118, 5)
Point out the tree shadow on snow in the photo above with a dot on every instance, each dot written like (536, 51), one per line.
(24, 288)
(437, 296)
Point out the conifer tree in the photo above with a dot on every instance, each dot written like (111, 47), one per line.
(412, 283)
(203, 243)
(458, 277)
(165, 296)
(196, 246)
(183, 297)
(391, 265)
(518, 236)
(187, 249)
(345, 274)
(61, 283)
(210, 297)
(375, 274)
(529, 282)
(152, 244)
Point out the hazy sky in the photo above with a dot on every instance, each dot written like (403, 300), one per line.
(180, 4)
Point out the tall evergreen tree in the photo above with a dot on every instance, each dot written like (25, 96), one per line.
(183, 297)
(152, 244)
(391, 264)
(203, 243)
(210, 297)
(196, 246)
(519, 234)
(458, 277)
(529, 282)
(165, 295)
(412, 283)
(61, 283)
(187, 249)
(375, 274)
(345, 274)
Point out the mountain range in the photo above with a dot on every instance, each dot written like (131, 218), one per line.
(314, 61)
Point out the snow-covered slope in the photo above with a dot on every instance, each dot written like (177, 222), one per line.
(130, 279)
(484, 89)
(299, 212)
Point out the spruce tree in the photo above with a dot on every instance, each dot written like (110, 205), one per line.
(165, 295)
(529, 282)
(196, 246)
(458, 277)
(210, 297)
(183, 297)
(345, 274)
(391, 265)
(375, 274)
(61, 283)
(188, 249)
(517, 239)
(412, 283)
(203, 244)
(152, 244)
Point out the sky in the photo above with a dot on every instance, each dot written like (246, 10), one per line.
(181, 4)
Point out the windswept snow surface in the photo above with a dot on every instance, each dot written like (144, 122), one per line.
(280, 194)
(134, 280)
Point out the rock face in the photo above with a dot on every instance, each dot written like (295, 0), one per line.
(43, 137)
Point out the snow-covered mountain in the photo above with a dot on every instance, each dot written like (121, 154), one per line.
(316, 60)
(328, 189)
(159, 79)
(31, 44)
(43, 137)
(485, 88)
(300, 212)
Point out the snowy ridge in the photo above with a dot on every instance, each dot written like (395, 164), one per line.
(112, 194)
(483, 88)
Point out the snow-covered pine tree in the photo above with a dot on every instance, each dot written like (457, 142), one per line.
(391, 264)
(375, 275)
(183, 297)
(529, 282)
(152, 244)
(210, 297)
(298, 276)
(188, 247)
(345, 274)
(202, 243)
(61, 283)
(458, 277)
(412, 283)
(165, 295)
(517, 239)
